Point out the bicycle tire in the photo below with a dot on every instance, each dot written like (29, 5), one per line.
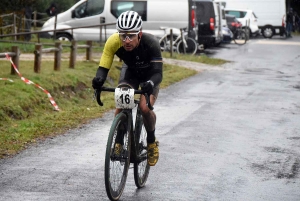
(165, 44)
(141, 166)
(116, 167)
(191, 46)
(240, 37)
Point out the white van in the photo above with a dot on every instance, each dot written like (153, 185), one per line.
(206, 22)
(155, 14)
(268, 12)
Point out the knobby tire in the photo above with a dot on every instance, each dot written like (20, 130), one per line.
(141, 167)
(190, 49)
(116, 168)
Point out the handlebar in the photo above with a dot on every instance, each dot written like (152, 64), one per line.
(110, 89)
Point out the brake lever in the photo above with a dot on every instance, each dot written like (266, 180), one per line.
(148, 101)
(97, 94)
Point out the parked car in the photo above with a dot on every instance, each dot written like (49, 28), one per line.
(227, 35)
(247, 18)
(205, 22)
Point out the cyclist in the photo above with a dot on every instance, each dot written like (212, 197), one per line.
(142, 66)
(289, 22)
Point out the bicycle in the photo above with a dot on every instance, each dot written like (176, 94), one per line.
(133, 138)
(240, 36)
(181, 43)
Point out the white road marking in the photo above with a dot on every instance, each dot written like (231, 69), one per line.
(268, 42)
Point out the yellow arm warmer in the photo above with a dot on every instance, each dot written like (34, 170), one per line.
(112, 44)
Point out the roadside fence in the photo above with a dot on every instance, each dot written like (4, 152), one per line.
(57, 50)
(18, 27)
(17, 22)
(15, 55)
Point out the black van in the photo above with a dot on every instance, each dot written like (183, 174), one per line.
(205, 22)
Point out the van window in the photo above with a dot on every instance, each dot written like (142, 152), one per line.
(237, 14)
(204, 11)
(118, 7)
(89, 8)
(95, 7)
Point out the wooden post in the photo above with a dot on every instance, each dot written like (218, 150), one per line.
(73, 54)
(38, 36)
(182, 39)
(171, 42)
(100, 30)
(15, 59)
(105, 32)
(15, 26)
(89, 50)
(55, 23)
(37, 58)
(57, 56)
(34, 18)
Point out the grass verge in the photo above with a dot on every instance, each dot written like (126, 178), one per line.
(26, 114)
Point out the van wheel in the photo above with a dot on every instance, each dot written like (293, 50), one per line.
(63, 37)
(268, 32)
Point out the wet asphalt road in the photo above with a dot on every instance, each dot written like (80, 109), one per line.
(228, 133)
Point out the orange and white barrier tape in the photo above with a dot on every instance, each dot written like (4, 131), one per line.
(30, 82)
(6, 79)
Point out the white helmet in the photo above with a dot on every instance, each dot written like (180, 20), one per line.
(129, 21)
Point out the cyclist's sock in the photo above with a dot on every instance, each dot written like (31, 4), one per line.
(151, 136)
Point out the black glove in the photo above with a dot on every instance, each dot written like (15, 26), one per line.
(97, 82)
(147, 87)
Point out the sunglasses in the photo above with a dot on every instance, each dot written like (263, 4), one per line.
(130, 36)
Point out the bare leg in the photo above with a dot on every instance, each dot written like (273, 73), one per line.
(149, 117)
(117, 111)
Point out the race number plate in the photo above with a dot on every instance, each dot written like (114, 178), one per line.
(124, 98)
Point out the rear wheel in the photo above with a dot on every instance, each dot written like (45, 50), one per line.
(63, 37)
(190, 48)
(240, 37)
(268, 31)
(116, 166)
(141, 167)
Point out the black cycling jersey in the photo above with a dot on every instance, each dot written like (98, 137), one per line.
(144, 62)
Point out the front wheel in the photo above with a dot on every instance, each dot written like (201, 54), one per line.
(189, 48)
(141, 167)
(116, 165)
